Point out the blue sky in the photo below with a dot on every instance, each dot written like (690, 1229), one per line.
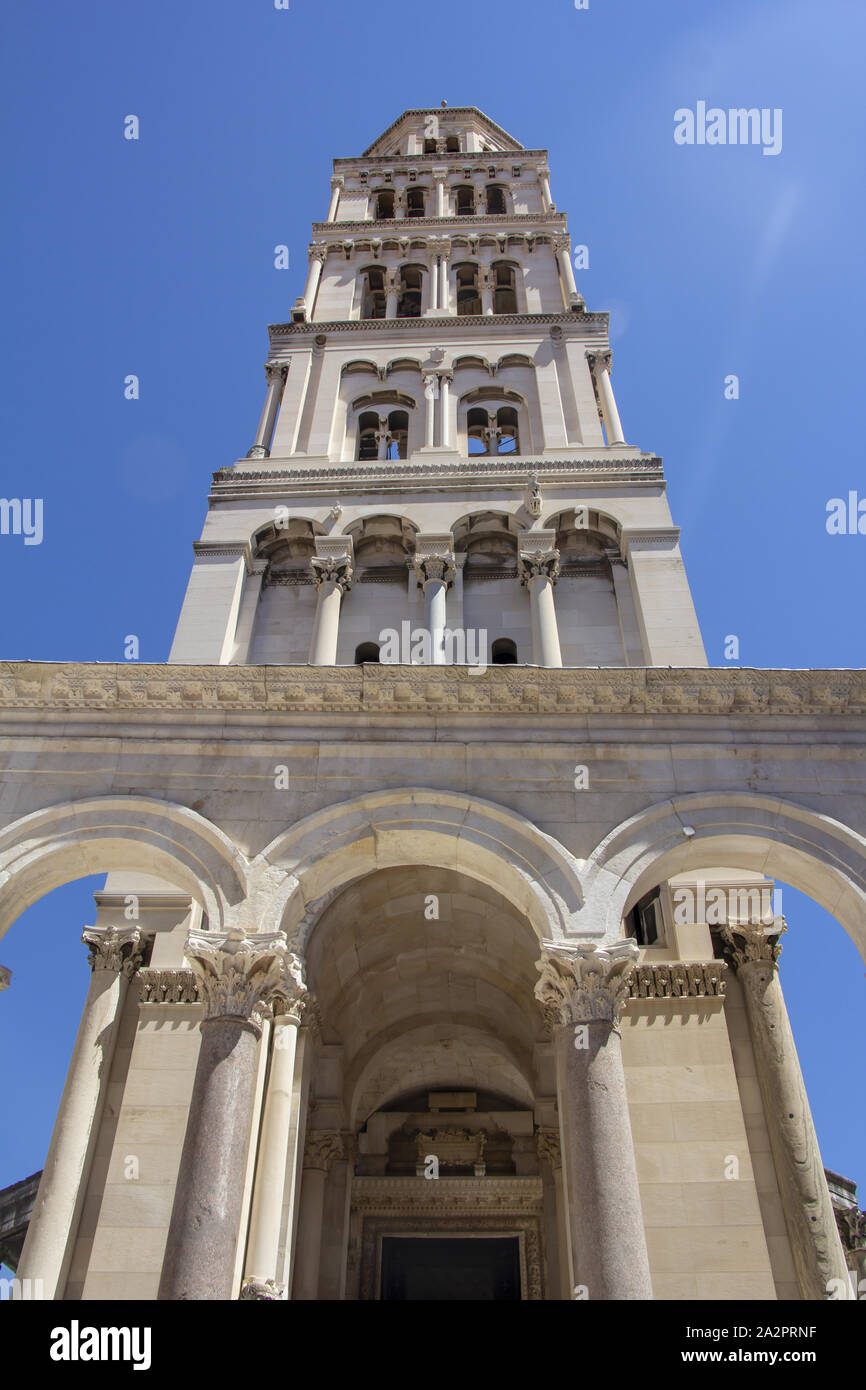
(155, 257)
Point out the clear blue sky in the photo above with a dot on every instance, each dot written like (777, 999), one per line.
(156, 258)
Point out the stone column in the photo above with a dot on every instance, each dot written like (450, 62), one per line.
(322, 1147)
(544, 180)
(114, 955)
(538, 566)
(445, 381)
(434, 281)
(336, 189)
(392, 291)
(600, 363)
(316, 256)
(582, 991)
(289, 1004)
(444, 282)
(276, 375)
(383, 439)
(431, 390)
(435, 571)
(332, 573)
(440, 176)
(486, 293)
(753, 952)
(549, 1149)
(570, 292)
(234, 972)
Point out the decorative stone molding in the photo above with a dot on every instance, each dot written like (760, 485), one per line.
(668, 693)
(119, 949)
(584, 984)
(678, 980)
(744, 944)
(235, 972)
(167, 986)
(322, 1147)
(462, 1147)
(548, 1146)
(233, 484)
(263, 1291)
(422, 327)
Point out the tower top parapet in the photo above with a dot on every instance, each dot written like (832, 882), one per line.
(428, 130)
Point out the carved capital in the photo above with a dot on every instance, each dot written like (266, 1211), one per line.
(744, 944)
(291, 998)
(114, 948)
(585, 984)
(440, 567)
(322, 1147)
(600, 361)
(263, 1291)
(337, 181)
(276, 371)
(235, 972)
(534, 564)
(548, 1146)
(317, 253)
(333, 569)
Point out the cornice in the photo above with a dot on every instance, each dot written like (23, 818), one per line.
(422, 327)
(648, 467)
(461, 158)
(391, 1196)
(489, 221)
(388, 691)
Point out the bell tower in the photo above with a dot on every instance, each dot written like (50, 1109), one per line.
(440, 443)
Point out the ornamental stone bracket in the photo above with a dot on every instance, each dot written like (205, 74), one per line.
(585, 984)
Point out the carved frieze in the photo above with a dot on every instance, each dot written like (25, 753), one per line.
(167, 986)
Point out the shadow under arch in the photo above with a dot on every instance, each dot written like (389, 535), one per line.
(323, 853)
(49, 847)
(822, 857)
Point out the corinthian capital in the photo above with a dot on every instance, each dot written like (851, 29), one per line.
(533, 564)
(235, 972)
(600, 361)
(317, 253)
(548, 1146)
(113, 948)
(276, 371)
(584, 984)
(291, 997)
(745, 944)
(322, 1147)
(434, 558)
(332, 569)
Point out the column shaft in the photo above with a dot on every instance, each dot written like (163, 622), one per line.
(314, 275)
(435, 591)
(326, 624)
(336, 185)
(566, 269)
(545, 633)
(612, 422)
(53, 1226)
(444, 285)
(444, 416)
(434, 282)
(269, 1190)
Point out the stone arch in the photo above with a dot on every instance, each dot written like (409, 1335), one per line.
(52, 846)
(822, 857)
(418, 825)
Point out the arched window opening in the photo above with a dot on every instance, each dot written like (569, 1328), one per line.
(504, 290)
(468, 298)
(398, 429)
(368, 428)
(477, 431)
(495, 200)
(409, 302)
(366, 651)
(507, 437)
(504, 652)
(415, 202)
(452, 144)
(465, 200)
(373, 299)
(384, 204)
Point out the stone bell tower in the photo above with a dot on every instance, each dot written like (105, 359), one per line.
(379, 911)
(440, 444)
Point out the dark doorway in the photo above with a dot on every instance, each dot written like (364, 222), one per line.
(458, 1267)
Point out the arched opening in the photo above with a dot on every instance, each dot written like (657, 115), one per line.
(504, 289)
(373, 298)
(368, 430)
(398, 430)
(465, 200)
(415, 202)
(366, 651)
(384, 208)
(507, 438)
(452, 144)
(468, 297)
(409, 299)
(477, 433)
(495, 200)
(503, 652)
